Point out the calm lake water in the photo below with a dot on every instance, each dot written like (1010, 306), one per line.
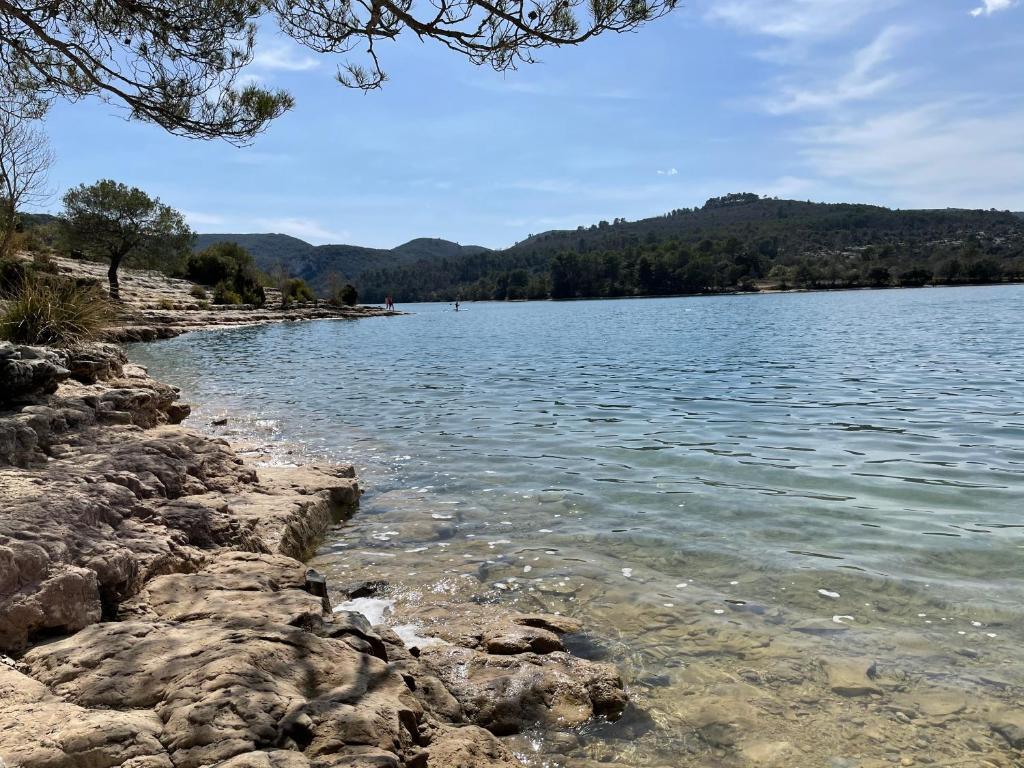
(716, 486)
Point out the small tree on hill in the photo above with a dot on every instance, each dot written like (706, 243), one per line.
(117, 222)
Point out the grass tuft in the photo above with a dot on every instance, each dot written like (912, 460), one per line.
(54, 312)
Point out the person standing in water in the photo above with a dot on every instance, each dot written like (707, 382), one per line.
(456, 305)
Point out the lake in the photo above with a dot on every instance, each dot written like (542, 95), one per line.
(736, 494)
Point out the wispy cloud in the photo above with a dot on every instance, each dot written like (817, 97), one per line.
(862, 79)
(796, 20)
(284, 57)
(668, 172)
(200, 220)
(993, 6)
(305, 229)
(939, 154)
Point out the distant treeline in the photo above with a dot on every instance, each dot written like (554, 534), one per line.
(733, 243)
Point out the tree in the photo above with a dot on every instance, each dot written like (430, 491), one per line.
(228, 267)
(180, 63)
(118, 222)
(25, 159)
(348, 295)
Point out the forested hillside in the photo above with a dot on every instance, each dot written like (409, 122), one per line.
(323, 266)
(734, 243)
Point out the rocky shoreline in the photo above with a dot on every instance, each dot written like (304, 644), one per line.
(155, 610)
(155, 306)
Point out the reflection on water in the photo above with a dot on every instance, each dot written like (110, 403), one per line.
(731, 492)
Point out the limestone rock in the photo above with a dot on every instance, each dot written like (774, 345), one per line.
(95, 362)
(1009, 723)
(467, 747)
(223, 688)
(508, 693)
(29, 371)
(851, 677)
(38, 729)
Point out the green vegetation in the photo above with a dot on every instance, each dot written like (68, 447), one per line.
(296, 289)
(324, 267)
(182, 64)
(117, 222)
(733, 243)
(230, 268)
(50, 310)
(346, 296)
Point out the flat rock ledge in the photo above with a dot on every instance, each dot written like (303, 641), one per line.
(155, 306)
(155, 612)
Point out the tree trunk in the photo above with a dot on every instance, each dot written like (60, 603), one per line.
(115, 288)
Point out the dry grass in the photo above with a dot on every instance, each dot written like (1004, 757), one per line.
(53, 311)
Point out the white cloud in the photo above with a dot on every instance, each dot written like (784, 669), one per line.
(284, 57)
(199, 219)
(993, 6)
(936, 155)
(787, 187)
(304, 229)
(861, 81)
(669, 172)
(796, 20)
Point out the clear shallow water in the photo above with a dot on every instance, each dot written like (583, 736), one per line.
(695, 478)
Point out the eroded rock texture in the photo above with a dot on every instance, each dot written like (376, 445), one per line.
(181, 628)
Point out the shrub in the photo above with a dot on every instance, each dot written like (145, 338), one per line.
(12, 274)
(198, 292)
(26, 240)
(42, 261)
(879, 277)
(250, 289)
(166, 304)
(54, 311)
(219, 262)
(984, 271)
(296, 289)
(348, 295)
(225, 293)
(229, 267)
(914, 278)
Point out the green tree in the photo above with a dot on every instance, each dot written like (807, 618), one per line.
(879, 277)
(181, 63)
(118, 222)
(348, 295)
(230, 268)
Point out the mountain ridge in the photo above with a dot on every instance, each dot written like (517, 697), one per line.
(736, 241)
(322, 265)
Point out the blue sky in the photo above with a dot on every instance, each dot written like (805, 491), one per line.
(907, 103)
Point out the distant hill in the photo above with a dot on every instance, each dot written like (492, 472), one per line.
(735, 242)
(316, 264)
